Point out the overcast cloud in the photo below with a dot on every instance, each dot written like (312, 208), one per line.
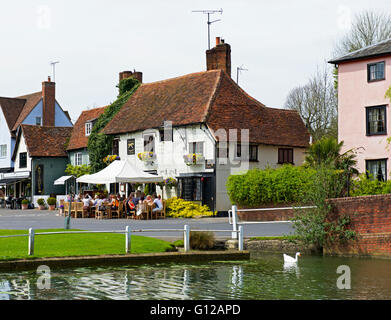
(280, 42)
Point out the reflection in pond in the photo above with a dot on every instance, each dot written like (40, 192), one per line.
(265, 277)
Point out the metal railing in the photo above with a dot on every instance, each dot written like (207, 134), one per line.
(234, 221)
(128, 232)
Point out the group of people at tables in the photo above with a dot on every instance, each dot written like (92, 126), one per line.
(133, 204)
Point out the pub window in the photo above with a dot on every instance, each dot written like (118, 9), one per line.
(196, 147)
(116, 147)
(285, 155)
(377, 169)
(131, 146)
(166, 134)
(253, 152)
(376, 120)
(376, 71)
(23, 160)
(38, 121)
(149, 143)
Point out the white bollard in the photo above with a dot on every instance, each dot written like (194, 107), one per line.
(31, 241)
(241, 236)
(186, 237)
(127, 239)
(234, 222)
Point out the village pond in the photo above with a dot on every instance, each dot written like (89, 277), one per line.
(262, 277)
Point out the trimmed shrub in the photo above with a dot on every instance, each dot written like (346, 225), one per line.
(201, 240)
(51, 201)
(25, 201)
(41, 202)
(179, 208)
(287, 184)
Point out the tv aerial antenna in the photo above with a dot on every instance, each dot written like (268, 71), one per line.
(53, 64)
(209, 12)
(238, 69)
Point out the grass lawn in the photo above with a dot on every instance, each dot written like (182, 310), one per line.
(65, 245)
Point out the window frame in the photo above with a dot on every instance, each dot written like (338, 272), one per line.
(88, 128)
(25, 160)
(281, 160)
(162, 135)
(5, 147)
(77, 155)
(367, 110)
(250, 158)
(369, 65)
(193, 147)
(379, 160)
(40, 121)
(145, 142)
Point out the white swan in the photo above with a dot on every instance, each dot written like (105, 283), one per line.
(289, 259)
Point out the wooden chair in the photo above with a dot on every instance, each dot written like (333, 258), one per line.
(162, 213)
(99, 214)
(73, 210)
(66, 208)
(79, 209)
(144, 212)
(121, 210)
(115, 213)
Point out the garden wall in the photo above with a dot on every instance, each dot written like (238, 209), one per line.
(267, 215)
(370, 219)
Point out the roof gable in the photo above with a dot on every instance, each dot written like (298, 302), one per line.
(44, 141)
(11, 109)
(78, 138)
(31, 100)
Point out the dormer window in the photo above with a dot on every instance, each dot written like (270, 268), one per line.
(88, 128)
(376, 71)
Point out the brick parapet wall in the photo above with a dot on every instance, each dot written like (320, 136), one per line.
(371, 220)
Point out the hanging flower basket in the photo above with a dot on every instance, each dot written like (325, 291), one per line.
(170, 182)
(110, 158)
(146, 156)
(193, 159)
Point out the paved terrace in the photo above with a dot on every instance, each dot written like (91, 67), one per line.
(24, 219)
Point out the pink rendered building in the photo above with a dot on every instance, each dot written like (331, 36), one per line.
(364, 119)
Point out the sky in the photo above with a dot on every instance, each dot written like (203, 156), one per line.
(281, 43)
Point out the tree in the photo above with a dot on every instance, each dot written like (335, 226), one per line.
(316, 102)
(368, 27)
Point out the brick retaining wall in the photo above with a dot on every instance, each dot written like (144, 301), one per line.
(370, 219)
(267, 215)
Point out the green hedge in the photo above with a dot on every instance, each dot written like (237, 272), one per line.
(364, 186)
(256, 187)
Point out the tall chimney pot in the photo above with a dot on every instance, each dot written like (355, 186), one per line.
(217, 41)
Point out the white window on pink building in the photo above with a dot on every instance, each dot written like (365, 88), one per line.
(376, 120)
(376, 71)
(377, 169)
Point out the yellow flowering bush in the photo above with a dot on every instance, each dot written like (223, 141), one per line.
(179, 208)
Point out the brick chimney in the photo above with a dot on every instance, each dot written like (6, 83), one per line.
(135, 74)
(219, 57)
(48, 96)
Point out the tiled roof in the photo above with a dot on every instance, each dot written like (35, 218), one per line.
(210, 97)
(78, 138)
(378, 49)
(11, 109)
(45, 141)
(31, 100)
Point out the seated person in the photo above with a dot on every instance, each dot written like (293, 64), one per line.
(158, 203)
(129, 205)
(86, 201)
(114, 203)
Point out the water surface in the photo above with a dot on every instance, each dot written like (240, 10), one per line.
(262, 277)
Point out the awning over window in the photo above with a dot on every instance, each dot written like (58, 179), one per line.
(12, 177)
(61, 180)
